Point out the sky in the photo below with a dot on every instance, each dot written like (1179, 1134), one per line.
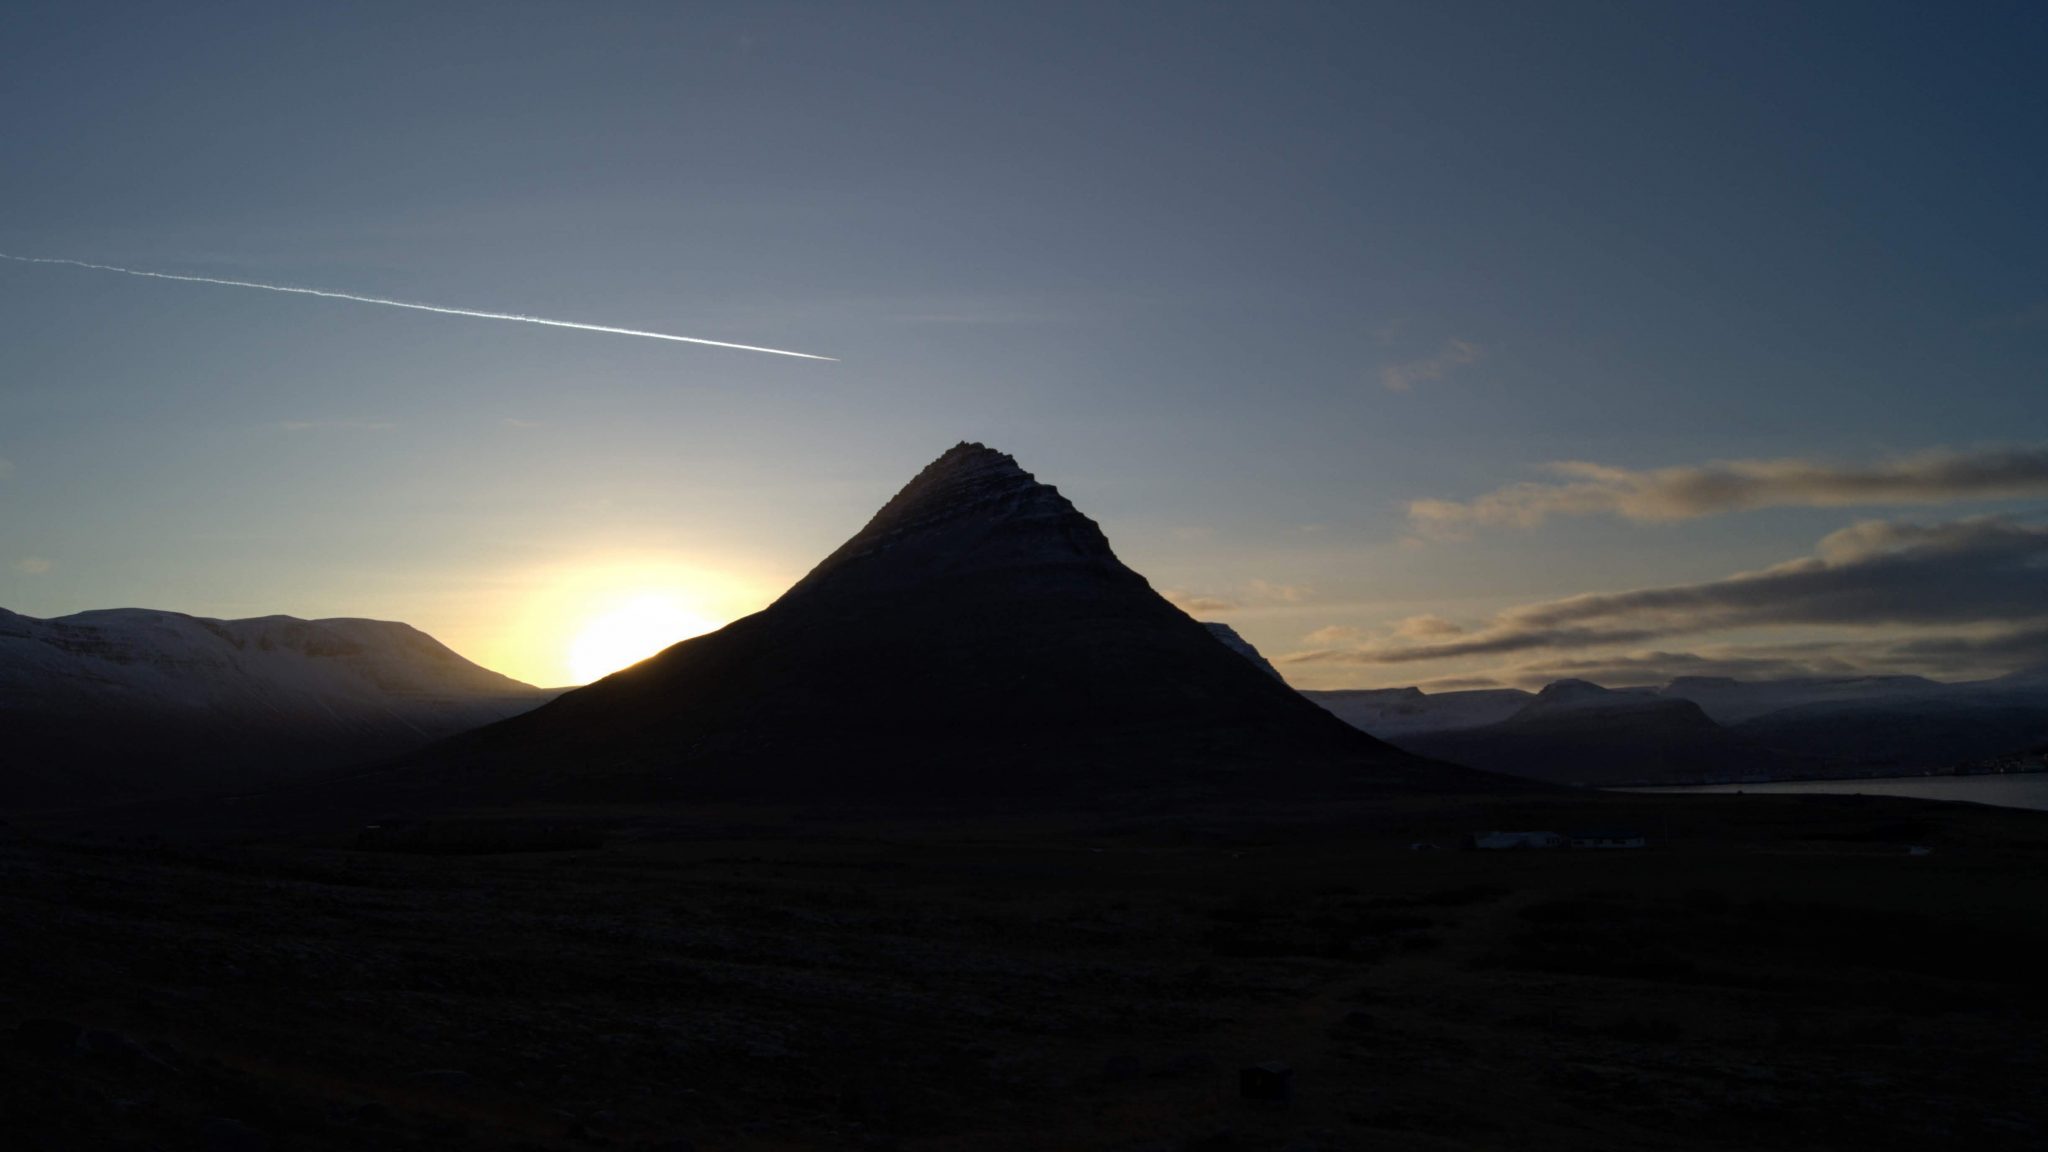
(1449, 344)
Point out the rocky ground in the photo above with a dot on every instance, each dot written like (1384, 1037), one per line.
(1773, 972)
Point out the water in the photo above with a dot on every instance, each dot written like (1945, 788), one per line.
(2018, 790)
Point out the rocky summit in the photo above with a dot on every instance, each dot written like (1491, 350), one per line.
(979, 637)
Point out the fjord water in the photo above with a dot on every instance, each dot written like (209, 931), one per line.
(2014, 790)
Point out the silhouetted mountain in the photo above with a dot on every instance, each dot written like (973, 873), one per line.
(1874, 725)
(1918, 733)
(978, 638)
(1731, 701)
(128, 703)
(1576, 732)
(1846, 726)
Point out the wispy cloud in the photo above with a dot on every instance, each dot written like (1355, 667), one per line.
(1665, 494)
(6, 467)
(515, 422)
(1747, 662)
(1251, 594)
(1459, 683)
(1455, 354)
(1983, 573)
(33, 565)
(1195, 603)
(1266, 591)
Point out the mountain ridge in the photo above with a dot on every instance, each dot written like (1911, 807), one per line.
(122, 703)
(1744, 730)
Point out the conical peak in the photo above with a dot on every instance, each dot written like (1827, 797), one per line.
(972, 507)
(965, 476)
(972, 456)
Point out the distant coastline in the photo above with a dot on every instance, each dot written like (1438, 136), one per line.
(2035, 768)
(2010, 789)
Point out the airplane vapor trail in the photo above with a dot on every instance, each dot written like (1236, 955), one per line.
(417, 307)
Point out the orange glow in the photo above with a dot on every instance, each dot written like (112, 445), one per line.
(559, 625)
(630, 633)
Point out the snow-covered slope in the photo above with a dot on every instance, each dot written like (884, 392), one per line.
(140, 702)
(1391, 712)
(1242, 647)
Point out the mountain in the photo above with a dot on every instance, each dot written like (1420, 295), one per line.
(1927, 732)
(1731, 701)
(131, 703)
(1875, 725)
(977, 639)
(1785, 729)
(1392, 712)
(1576, 732)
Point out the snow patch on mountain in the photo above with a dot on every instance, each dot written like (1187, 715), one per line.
(1242, 647)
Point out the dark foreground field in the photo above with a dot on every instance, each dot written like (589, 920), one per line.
(1774, 972)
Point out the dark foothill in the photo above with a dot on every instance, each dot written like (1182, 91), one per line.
(43, 1036)
(1122, 1066)
(1356, 1022)
(1268, 1083)
(223, 1134)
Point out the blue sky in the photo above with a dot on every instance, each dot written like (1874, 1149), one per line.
(1246, 281)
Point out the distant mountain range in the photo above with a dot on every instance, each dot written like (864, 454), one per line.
(133, 703)
(1710, 729)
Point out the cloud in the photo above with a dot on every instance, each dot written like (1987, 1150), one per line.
(515, 422)
(336, 425)
(1977, 572)
(1426, 627)
(33, 565)
(1659, 667)
(1454, 355)
(1976, 651)
(1252, 594)
(1263, 590)
(1683, 493)
(2022, 646)
(1459, 683)
(6, 466)
(1197, 602)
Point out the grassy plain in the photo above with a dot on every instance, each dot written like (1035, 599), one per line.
(1773, 972)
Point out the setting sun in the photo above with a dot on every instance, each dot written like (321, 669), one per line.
(631, 633)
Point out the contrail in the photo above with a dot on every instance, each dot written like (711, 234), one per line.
(418, 307)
